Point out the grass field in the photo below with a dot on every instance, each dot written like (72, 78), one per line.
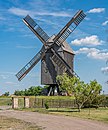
(5, 101)
(15, 124)
(56, 97)
(100, 114)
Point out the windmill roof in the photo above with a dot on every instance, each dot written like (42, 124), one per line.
(65, 46)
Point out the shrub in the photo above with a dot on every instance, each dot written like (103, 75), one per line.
(46, 105)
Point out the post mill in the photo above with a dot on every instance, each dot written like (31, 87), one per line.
(56, 55)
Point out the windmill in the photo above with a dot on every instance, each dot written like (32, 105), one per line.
(56, 55)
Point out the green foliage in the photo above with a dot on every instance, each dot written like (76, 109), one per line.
(99, 100)
(19, 93)
(5, 101)
(32, 91)
(65, 83)
(82, 92)
(55, 97)
(6, 94)
(46, 105)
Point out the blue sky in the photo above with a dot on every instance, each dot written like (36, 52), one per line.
(18, 44)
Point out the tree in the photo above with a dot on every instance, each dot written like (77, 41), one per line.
(32, 91)
(100, 100)
(65, 83)
(6, 94)
(95, 89)
(19, 93)
(82, 92)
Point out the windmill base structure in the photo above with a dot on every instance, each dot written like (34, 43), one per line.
(53, 64)
(56, 55)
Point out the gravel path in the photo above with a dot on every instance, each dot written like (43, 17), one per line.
(54, 122)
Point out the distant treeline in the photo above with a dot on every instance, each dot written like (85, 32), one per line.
(32, 91)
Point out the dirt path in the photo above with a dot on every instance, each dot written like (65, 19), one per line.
(53, 122)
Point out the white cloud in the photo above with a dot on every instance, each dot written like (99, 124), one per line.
(8, 73)
(87, 18)
(10, 83)
(93, 53)
(96, 10)
(89, 41)
(3, 76)
(18, 11)
(86, 50)
(56, 14)
(105, 23)
(23, 12)
(104, 69)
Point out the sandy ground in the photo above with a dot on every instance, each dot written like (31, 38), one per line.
(55, 122)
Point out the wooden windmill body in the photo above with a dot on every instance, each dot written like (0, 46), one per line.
(51, 66)
(56, 55)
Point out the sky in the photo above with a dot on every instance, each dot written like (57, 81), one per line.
(18, 44)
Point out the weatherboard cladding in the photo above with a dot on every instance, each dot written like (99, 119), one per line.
(49, 69)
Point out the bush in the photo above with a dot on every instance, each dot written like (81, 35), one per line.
(46, 105)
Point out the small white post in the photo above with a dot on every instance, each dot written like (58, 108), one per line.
(26, 102)
(14, 102)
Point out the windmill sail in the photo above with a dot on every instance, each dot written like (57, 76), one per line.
(69, 27)
(36, 29)
(62, 63)
(24, 71)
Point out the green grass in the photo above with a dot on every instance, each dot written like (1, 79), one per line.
(53, 97)
(5, 96)
(5, 101)
(100, 114)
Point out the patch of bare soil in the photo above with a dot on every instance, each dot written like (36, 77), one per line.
(7, 123)
(54, 122)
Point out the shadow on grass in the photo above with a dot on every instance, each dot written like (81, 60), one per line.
(63, 110)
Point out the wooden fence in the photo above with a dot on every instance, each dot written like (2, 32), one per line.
(37, 102)
(52, 103)
(58, 103)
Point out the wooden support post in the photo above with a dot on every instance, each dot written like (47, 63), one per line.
(26, 102)
(14, 102)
